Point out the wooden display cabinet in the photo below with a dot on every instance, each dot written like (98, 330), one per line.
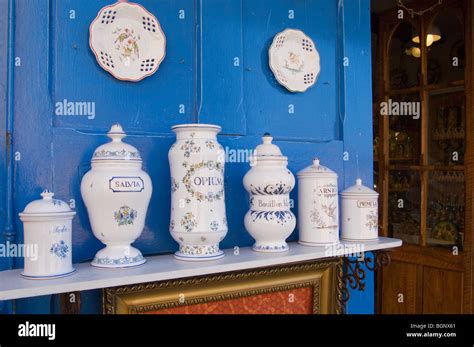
(423, 156)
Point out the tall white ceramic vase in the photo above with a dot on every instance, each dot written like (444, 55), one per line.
(198, 217)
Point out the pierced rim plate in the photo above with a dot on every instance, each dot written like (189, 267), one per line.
(127, 41)
(294, 60)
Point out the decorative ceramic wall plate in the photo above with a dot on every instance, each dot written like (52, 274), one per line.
(294, 60)
(127, 41)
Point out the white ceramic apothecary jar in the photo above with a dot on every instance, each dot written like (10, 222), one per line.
(47, 226)
(269, 183)
(198, 217)
(318, 205)
(359, 213)
(117, 192)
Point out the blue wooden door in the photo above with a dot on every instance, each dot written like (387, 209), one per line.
(215, 71)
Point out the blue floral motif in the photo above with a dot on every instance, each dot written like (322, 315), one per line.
(120, 261)
(57, 202)
(174, 185)
(206, 250)
(271, 189)
(281, 217)
(121, 154)
(189, 222)
(271, 248)
(60, 249)
(190, 147)
(214, 225)
(125, 215)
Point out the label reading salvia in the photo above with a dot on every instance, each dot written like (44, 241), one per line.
(126, 184)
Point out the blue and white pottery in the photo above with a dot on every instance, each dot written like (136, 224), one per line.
(47, 244)
(117, 193)
(360, 213)
(318, 205)
(269, 183)
(198, 216)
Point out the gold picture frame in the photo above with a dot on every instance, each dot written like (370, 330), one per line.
(323, 277)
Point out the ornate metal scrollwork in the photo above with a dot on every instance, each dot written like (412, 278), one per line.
(353, 273)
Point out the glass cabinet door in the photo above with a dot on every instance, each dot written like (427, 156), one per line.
(445, 217)
(404, 58)
(421, 127)
(404, 129)
(446, 127)
(445, 47)
(404, 205)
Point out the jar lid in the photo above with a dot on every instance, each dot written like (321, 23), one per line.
(267, 150)
(116, 149)
(317, 170)
(359, 189)
(47, 206)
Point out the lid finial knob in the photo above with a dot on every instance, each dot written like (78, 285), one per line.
(267, 138)
(359, 182)
(47, 194)
(116, 133)
(316, 162)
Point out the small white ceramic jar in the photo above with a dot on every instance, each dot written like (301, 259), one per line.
(117, 193)
(198, 216)
(48, 238)
(359, 213)
(269, 183)
(318, 205)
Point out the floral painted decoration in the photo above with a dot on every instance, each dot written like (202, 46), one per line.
(189, 222)
(271, 189)
(214, 225)
(372, 221)
(281, 217)
(127, 43)
(119, 261)
(125, 215)
(60, 249)
(191, 171)
(189, 147)
(205, 250)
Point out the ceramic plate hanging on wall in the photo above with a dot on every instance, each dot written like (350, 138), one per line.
(127, 41)
(294, 60)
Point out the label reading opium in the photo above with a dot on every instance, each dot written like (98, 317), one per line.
(126, 184)
(208, 181)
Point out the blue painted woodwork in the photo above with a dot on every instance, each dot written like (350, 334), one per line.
(356, 112)
(215, 71)
(3, 116)
(7, 234)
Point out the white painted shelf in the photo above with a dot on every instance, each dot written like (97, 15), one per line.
(166, 267)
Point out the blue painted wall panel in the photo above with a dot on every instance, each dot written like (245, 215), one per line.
(200, 73)
(151, 106)
(266, 102)
(3, 123)
(3, 117)
(221, 65)
(357, 116)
